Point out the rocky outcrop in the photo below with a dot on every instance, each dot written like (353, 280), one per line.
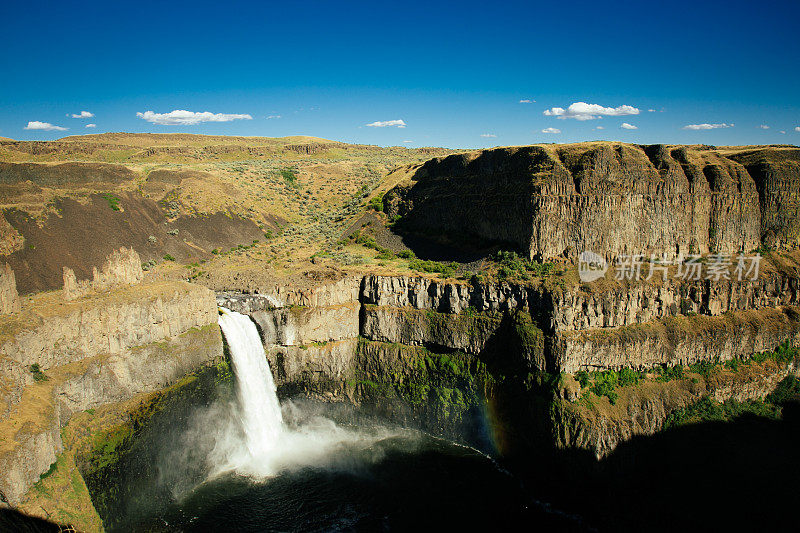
(609, 198)
(644, 409)
(775, 172)
(677, 341)
(51, 332)
(590, 306)
(69, 175)
(122, 267)
(10, 238)
(62, 357)
(9, 299)
(591, 326)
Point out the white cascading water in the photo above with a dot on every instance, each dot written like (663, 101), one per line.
(251, 437)
(260, 410)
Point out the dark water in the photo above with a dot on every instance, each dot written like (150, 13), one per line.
(398, 484)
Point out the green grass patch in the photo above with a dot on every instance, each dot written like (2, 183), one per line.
(113, 201)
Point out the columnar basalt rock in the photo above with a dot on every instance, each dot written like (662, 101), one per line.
(551, 201)
(677, 341)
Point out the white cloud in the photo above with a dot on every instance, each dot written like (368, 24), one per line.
(764, 127)
(83, 114)
(707, 126)
(273, 117)
(91, 125)
(527, 101)
(180, 117)
(651, 110)
(488, 135)
(584, 111)
(626, 126)
(408, 142)
(387, 123)
(46, 126)
(782, 131)
(599, 128)
(551, 130)
(797, 128)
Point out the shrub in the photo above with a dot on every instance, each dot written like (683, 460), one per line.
(376, 203)
(604, 384)
(787, 390)
(169, 258)
(406, 254)
(38, 375)
(289, 177)
(628, 376)
(434, 267)
(668, 373)
(704, 368)
(514, 266)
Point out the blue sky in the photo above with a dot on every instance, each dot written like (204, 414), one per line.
(454, 74)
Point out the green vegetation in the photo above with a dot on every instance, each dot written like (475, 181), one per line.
(668, 373)
(368, 242)
(514, 266)
(442, 386)
(376, 203)
(289, 176)
(710, 410)
(113, 201)
(782, 354)
(38, 375)
(606, 382)
(447, 270)
(168, 257)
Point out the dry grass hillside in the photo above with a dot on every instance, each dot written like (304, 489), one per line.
(209, 202)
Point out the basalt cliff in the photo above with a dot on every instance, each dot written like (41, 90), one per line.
(559, 200)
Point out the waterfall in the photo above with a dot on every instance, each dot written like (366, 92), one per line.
(258, 406)
(251, 438)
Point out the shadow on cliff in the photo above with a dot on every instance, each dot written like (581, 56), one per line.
(11, 520)
(715, 476)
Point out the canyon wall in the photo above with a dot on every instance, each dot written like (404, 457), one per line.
(429, 351)
(62, 357)
(559, 200)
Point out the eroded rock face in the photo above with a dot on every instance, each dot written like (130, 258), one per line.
(677, 341)
(60, 358)
(552, 201)
(644, 410)
(122, 267)
(635, 325)
(9, 299)
(641, 302)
